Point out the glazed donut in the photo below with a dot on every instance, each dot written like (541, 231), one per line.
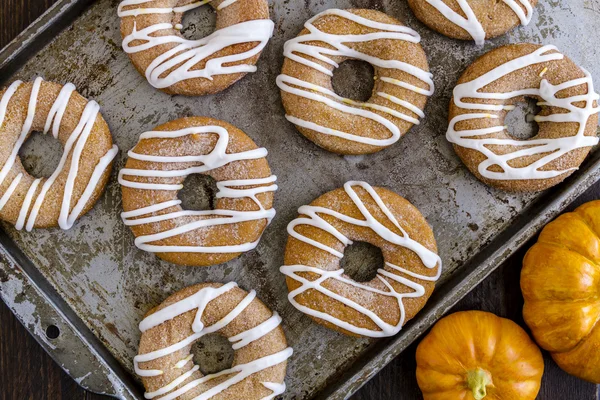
(151, 31)
(84, 168)
(345, 126)
(168, 332)
(491, 87)
(473, 20)
(317, 238)
(155, 172)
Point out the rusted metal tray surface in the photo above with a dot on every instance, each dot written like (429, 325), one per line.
(95, 285)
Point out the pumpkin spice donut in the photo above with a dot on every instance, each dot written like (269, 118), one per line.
(155, 172)
(473, 19)
(165, 361)
(492, 86)
(84, 167)
(317, 239)
(151, 31)
(342, 125)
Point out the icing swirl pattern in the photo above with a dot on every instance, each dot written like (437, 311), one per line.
(308, 50)
(182, 58)
(469, 22)
(191, 380)
(478, 104)
(71, 158)
(165, 171)
(393, 277)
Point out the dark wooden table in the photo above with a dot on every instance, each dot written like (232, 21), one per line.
(27, 372)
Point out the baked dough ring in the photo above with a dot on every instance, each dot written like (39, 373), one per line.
(345, 126)
(473, 19)
(84, 168)
(492, 86)
(169, 331)
(155, 172)
(317, 283)
(152, 38)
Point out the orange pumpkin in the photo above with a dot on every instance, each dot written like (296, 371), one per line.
(478, 355)
(560, 282)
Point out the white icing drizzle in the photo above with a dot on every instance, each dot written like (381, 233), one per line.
(11, 188)
(471, 24)
(73, 148)
(555, 148)
(218, 157)
(27, 203)
(245, 338)
(177, 64)
(199, 301)
(524, 15)
(134, 12)
(312, 217)
(182, 363)
(277, 388)
(302, 45)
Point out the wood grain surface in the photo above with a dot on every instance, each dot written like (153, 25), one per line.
(27, 372)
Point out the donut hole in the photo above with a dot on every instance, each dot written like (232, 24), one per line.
(198, 193)
(212, 353)
(197, 23)
(361, 261)
(40, 154)
(354, 79)
(520, 121)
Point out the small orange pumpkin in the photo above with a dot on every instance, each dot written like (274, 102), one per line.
(560, 281)
(478, 355)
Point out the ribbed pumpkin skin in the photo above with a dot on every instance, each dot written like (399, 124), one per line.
(468, 340)
(560, 281)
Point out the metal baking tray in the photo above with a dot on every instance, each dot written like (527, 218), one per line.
(93, 283)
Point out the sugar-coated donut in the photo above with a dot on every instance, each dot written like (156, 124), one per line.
(155, 172)
(473, 19)
(317, 238)
(342, 125)
(151, 31)
(164, 360)
(84, 168)
(492, 86)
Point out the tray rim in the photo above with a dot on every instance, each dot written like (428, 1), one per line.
(37, 289)
(26, 40)
(61, 15)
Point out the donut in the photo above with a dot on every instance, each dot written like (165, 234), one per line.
(151, 31)
(492, 86)
(154, 174)
(318, 285)
(165, 362)
(473, 19)
(84, 168)
(345, 126)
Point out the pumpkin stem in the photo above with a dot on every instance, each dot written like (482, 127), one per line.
(477, 381)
